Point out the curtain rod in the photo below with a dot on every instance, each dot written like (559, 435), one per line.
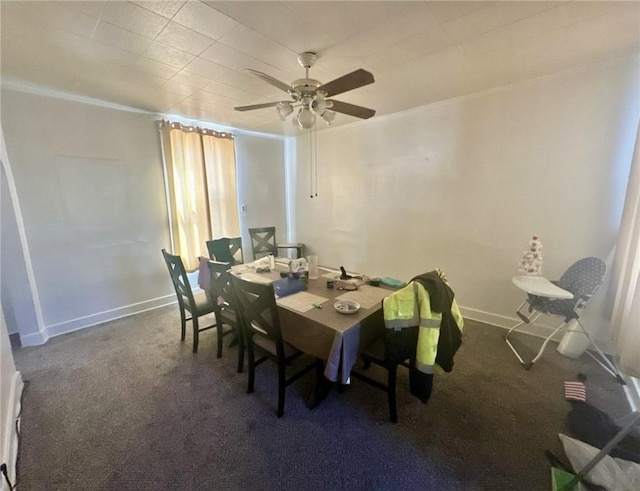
(195, 129)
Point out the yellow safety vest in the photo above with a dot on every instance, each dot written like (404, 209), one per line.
(410, 306)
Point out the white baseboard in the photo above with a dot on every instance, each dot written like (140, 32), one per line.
(10, 444)
(40, 338)
(95, 319)
(538, 330)
(34, 339)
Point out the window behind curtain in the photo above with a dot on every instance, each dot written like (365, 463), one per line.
(220, 163)
(201, 188)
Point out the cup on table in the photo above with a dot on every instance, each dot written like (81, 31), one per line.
(312, 262)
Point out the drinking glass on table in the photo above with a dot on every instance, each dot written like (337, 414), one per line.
(313, 267)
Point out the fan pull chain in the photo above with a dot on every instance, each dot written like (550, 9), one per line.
(313, 162)
(310, 165)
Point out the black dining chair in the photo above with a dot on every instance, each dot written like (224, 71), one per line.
(192, 307)
(263, 243)
(226, 250)
(378, 354)
(258, 311)
(221, 296)
(400, 344)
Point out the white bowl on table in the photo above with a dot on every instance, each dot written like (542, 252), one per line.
(346, 306)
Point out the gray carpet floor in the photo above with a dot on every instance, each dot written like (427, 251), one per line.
(126, 405)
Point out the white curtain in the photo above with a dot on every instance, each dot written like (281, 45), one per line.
(220, 158)
(201, 184)
(625, 316)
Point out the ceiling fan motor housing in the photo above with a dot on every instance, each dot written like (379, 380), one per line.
(305, 87)
(307, 59)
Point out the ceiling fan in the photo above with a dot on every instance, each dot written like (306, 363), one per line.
(313, 97)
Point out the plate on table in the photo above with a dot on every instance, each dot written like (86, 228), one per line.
(346, 306)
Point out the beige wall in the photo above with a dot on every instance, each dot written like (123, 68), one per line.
(261, 186)
(90, 184)
(462, 185)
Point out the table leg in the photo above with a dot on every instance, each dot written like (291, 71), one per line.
(322, 387)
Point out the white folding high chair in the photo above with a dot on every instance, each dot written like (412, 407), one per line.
(565, 298)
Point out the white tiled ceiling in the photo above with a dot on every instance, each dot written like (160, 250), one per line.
(187, 57)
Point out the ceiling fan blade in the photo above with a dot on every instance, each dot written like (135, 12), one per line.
(269, 79)
(352, 109)
(257, 106)
(347, 82)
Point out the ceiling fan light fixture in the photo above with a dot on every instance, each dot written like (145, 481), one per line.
(328, 116)
(318, 105)
(284, 109)
(306, 119)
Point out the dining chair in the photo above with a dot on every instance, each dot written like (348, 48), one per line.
(221, 296)
(195, 306)
(400, 344)
(256, 304)
(378, 354)
(263, 243)
(226, 250)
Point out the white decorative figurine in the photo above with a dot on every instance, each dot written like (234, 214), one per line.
(531, 262)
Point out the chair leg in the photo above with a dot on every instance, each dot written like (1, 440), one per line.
(544, 345)
(241, 348)
(252, 367)
(514, 328)
(533, 318)
(322, 386)
(506, 338)
(220, 333)
(391, 394)
(183, 323)
(282, 380)
(196, 332)
(604, 362)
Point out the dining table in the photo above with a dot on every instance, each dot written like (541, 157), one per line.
(310, 322)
